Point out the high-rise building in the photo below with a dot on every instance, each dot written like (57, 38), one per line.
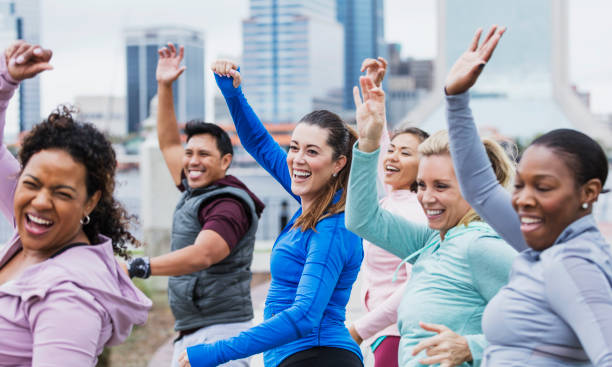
(21, 20)
(141, 56)
(292, 56)
(524, 90)
(364, 35)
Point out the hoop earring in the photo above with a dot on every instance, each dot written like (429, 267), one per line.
(85, 221)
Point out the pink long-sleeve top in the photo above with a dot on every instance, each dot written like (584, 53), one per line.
(64, 310)
(380, 296)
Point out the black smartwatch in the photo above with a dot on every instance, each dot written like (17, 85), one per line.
(139, 267)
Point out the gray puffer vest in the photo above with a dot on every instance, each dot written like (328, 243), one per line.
(221, 293)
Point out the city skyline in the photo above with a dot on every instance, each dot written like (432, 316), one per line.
(91, 61)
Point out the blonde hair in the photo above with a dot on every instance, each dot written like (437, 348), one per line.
(503, 166)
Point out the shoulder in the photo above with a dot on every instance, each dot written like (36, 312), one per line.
(486, 245)
(579, 251)
(332, 231)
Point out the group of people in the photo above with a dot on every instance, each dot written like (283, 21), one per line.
(458, 267)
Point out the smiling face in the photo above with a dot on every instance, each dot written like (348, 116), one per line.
(50, 200)
(545, 196)
(202, 161)
(310, 162)
(439, 194)
(401, 162)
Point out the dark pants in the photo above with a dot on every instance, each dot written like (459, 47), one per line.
(322, 357)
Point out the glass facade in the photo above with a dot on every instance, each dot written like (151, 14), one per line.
(363, 22)
(281, 37)
(514, 95)
(141, 58)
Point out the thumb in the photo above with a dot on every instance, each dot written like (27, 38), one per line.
(180, 71)
(433, 327)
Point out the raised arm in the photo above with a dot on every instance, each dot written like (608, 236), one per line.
(168, 70)
(479, 185)
(364, 216)
(252, 133)
(325, 260)
(18, 62)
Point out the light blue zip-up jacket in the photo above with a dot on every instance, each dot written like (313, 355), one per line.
(452, 280)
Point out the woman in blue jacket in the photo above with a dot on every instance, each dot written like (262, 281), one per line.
(556, 309)
(315, 259)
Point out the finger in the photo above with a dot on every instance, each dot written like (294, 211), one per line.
(490, 34)
(172, 49)
(433, 327)
(11, 49)
(474, 44)
(492, 45)
(435, 359)
(227, 67)
(383, 62)
(368, 63)
(180, 71)
(357, 97)
(39, 68)
(237, 78)
(26, 55)
(181, 53)
(424, 344)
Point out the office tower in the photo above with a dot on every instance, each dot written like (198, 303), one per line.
(292, 57)
(524, 90)
(141, 57)
(21, 20)
(364, 35)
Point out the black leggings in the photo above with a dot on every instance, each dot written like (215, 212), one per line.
(322, 357)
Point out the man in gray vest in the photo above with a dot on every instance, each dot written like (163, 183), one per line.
(213, 228)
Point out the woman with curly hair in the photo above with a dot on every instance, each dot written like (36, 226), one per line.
(63, 296)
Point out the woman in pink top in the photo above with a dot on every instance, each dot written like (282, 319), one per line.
(63, 296)
(380, 295)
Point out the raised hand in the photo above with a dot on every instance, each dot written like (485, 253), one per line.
(370, 114)
(376, 69)
(447, 348)
(24, 60)
(227, 69)
(467, 68)
(169, 64)
(184, 360)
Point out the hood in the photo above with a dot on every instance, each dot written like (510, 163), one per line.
(95, 270)
(232, 181)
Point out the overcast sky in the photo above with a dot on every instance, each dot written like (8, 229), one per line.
(89, 54)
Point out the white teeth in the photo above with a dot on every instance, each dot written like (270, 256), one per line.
(391, 168)
(527, 220)
(433, 212)
(301, 173)
(195, 174)
(38, 220)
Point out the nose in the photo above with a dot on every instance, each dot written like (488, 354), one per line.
(193, 160)
(523, 198)
(426, 196)
(42, 200)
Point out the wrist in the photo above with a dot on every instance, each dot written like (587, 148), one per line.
(139, 267)
(368, 145)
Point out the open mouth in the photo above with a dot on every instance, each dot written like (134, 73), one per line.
(389, 170)
(195, 174)
(300, 175)
(37, 225)
(433, 213)
(529, 224)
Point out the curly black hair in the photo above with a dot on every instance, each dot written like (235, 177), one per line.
(87, 145)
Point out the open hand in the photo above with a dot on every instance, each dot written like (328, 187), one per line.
(467, 68)
(24, 60)
(370, 114)
(376, 69)
(169, 64)
(184, 360)
(228, 69)
(447, 348)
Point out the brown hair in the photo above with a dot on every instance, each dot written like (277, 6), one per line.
(438, 144)
(340, 138)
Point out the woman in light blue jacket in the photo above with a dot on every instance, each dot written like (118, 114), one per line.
(459, 262)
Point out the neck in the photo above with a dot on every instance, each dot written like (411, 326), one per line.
(306, 203)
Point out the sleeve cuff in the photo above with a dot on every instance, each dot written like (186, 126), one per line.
(364, 155)
(200, 355)
(458, 101)
(477, 344)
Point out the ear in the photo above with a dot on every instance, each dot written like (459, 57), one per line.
(590, 191)
(92, 202)
(226, 160)
(339, 164)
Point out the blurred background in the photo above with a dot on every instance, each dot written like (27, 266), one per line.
(553, 68)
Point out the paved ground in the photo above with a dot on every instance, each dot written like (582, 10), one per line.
(261, 261)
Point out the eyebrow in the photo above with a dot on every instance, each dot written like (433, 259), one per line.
(307, 146)
(54, 187)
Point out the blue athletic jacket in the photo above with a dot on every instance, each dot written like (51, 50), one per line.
(312, 271)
